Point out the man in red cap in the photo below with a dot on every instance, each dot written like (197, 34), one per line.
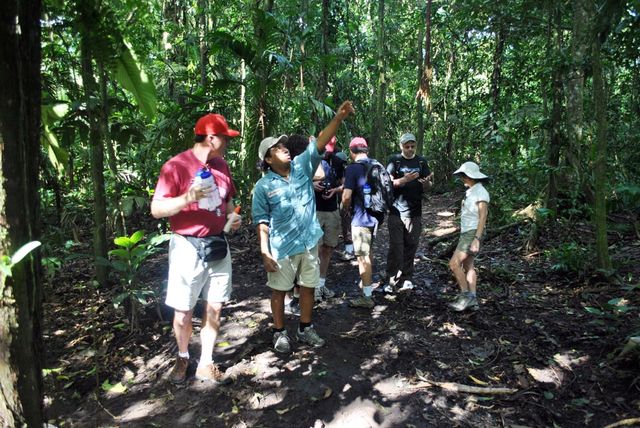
(327, 185)
(199, 258)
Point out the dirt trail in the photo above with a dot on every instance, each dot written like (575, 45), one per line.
(532, 334)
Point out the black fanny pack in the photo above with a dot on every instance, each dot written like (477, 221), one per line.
(209, 248)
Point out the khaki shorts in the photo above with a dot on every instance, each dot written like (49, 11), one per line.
(304, 267)
(362, 240)
(330, 224)
(189, 276)
(465, 241)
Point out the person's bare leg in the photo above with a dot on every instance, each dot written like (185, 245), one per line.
(365, 269)
(324, 254)
(471, 274)
(306, 304)
(182, 328)
(455, 264)
(210, 329)
(277, 308)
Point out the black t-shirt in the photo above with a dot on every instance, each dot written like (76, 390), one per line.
(408, 198)
(334, 172)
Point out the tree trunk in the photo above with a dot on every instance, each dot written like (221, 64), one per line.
(203, 24)
(419, 105)
(427, 70)
(20, 294)
(496, 76)
(120, 223)
(575, 89)
(381, 86)
(324, 47)
(96, 147)
(600, 150)
(553, 154)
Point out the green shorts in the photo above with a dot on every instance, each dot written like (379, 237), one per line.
(330, 224)
(466, 239)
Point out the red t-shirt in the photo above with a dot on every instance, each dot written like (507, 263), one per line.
(176, 176)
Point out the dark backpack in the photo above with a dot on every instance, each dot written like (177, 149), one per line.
(381, 188)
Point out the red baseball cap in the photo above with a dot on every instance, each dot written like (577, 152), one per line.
(358, 143)
(214, 124)
(331, 145)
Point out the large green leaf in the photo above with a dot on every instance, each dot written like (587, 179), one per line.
(133, 78)
(57, 155)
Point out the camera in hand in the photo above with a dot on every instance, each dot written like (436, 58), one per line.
(327, 186)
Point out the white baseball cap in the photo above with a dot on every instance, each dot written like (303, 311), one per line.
(269, 142)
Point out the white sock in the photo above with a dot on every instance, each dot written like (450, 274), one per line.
(183, 355)
(205, 361)
(367, 290)
(322, 281)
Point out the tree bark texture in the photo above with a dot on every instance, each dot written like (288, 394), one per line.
(553, 154)
(575, 88)
(419, 105)
(427, 70)
(96, 147)
(20, 294)
(381, 85)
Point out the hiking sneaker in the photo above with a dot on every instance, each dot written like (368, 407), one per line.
(281, 342)
(212, 373)
(293, 307)
(362, 302)
(464, 302)
(317, 294)
(326, 292)
(389, 289)
(179, 372)
(347, 256)
(309, 336)
(407, 285)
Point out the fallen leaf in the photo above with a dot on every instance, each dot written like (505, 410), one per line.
(478, 381)
(544, 375)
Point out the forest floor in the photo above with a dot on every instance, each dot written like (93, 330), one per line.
(550, 337)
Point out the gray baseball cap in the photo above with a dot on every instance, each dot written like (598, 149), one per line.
(269, 142)
(407, 137)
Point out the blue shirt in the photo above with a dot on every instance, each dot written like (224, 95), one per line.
(355, 176)
(289, 206)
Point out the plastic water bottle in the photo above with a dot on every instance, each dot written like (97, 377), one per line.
(212, 201)
(367, 195)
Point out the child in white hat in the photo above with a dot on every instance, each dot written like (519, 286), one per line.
(473, 219)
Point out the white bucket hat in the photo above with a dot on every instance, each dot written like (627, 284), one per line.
(471, 170)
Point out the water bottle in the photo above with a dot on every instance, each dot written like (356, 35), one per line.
(367, 195)
(212, 201)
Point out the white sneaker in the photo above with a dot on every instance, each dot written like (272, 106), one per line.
(281, 341)
(309, 336)
(389, 289)
(326, 292)
(407, 285)
(317, 293)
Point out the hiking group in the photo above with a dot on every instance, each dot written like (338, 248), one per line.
(307, 197)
